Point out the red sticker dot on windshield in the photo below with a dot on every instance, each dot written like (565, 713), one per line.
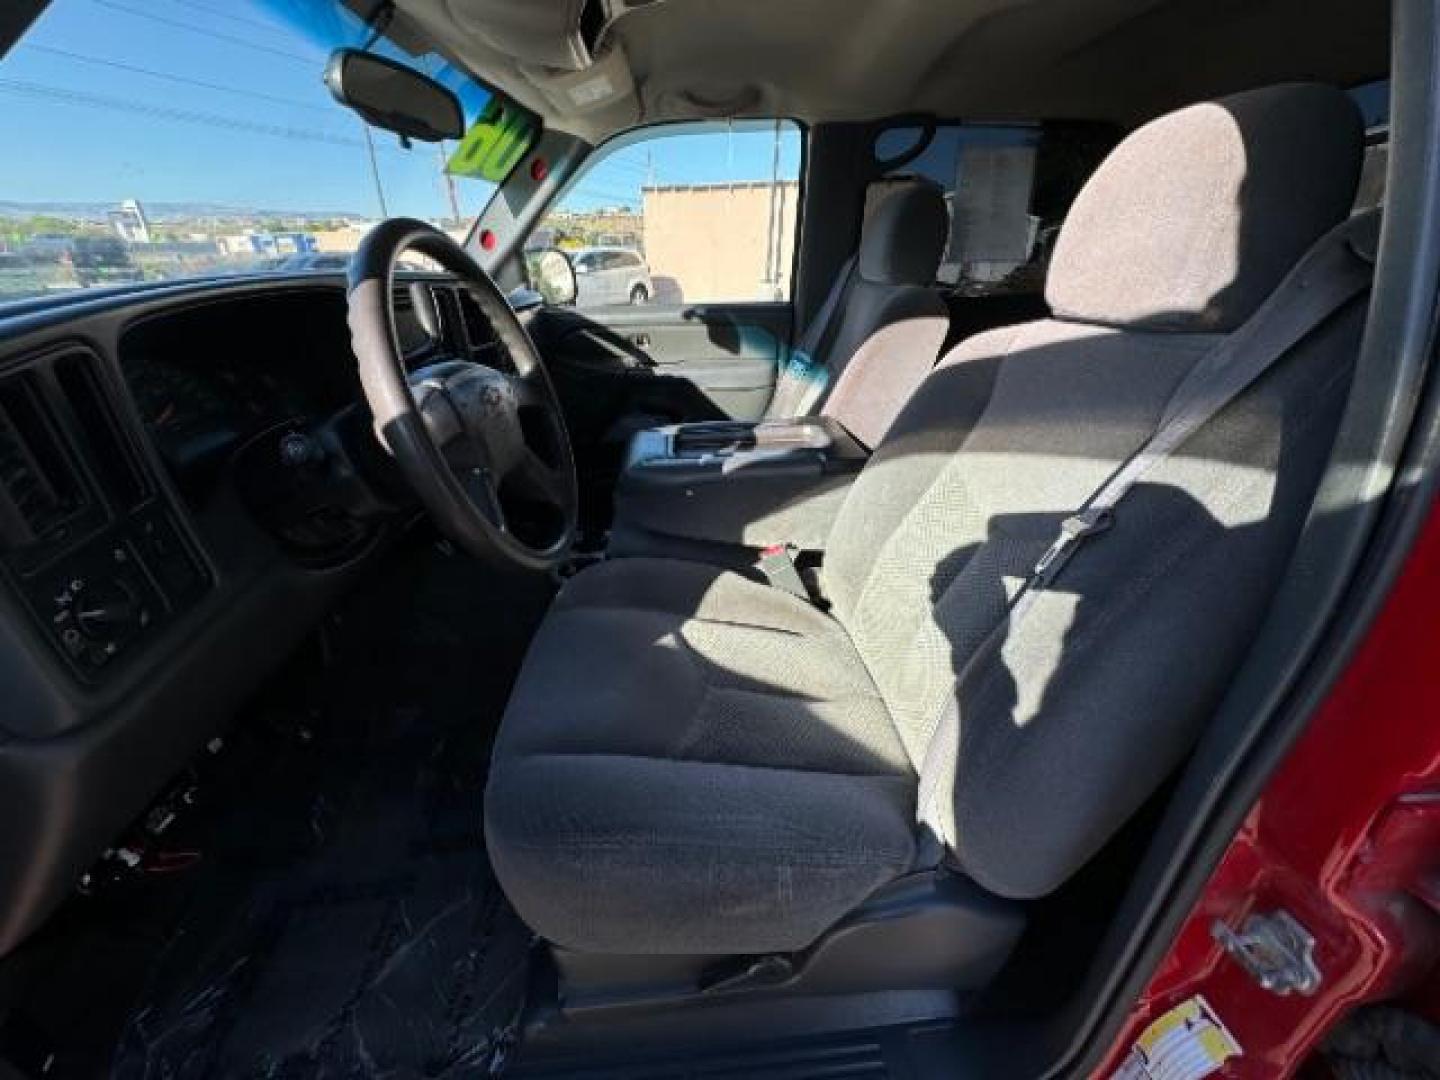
(487, 239)
(539, 169)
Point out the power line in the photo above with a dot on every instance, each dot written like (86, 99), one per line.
(269, 26)
(374, 168)
(77, 97)
(121, 66)
(308, 61)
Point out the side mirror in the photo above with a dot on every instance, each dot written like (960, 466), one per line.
(392, 96)
(553, 275)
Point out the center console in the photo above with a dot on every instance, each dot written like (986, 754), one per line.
(722, 489)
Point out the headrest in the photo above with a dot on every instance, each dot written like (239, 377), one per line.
(904, 236)
(1193, 219)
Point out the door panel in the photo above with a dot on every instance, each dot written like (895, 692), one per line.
(704, 214)
(620, 369)
(730, 352)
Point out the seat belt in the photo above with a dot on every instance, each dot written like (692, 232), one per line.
(804, 377)
(1331, 274)
(1336, 270)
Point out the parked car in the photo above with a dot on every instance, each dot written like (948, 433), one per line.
(611, 276)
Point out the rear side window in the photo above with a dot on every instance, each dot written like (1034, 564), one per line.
(1008, 188)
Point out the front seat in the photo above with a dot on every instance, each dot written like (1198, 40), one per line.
(880, 329)
(693, 762)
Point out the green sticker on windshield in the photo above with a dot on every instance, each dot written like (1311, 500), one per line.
(495, 142)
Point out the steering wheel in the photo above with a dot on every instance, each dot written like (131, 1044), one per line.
(485, 450)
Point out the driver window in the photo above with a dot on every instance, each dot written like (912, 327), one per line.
(685, 213)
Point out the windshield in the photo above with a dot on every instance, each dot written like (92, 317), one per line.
(149, 140)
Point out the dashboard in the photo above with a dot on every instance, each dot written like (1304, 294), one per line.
(163, 545)
(206, 379)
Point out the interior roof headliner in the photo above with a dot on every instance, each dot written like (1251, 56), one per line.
(816, 60)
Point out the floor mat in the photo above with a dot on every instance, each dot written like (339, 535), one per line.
(355, 930)
(342, 919)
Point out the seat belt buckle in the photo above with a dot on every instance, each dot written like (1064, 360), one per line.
(1074, 530)
(777, 563)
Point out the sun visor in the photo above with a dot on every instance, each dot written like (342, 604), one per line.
(545, 35)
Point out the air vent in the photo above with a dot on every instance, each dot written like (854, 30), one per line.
(477, 327)
(415, 321)
(40, 489)
(108, 452)
(452, 330)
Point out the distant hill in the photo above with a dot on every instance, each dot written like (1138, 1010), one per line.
(164, 211)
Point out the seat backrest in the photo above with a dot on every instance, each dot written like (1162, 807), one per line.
(1067, 724)
(882, 333)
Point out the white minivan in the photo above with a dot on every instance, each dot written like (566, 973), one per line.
(611, 275)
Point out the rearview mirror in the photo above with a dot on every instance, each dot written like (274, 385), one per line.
(392, 96)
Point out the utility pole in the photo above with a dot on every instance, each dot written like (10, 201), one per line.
(449, 185)
(777, 212)
(375, 170)
(650, 184)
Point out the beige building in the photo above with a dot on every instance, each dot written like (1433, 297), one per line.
(344, 239)
(710, 242)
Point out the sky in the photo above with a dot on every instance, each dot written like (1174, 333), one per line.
(219, 102)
